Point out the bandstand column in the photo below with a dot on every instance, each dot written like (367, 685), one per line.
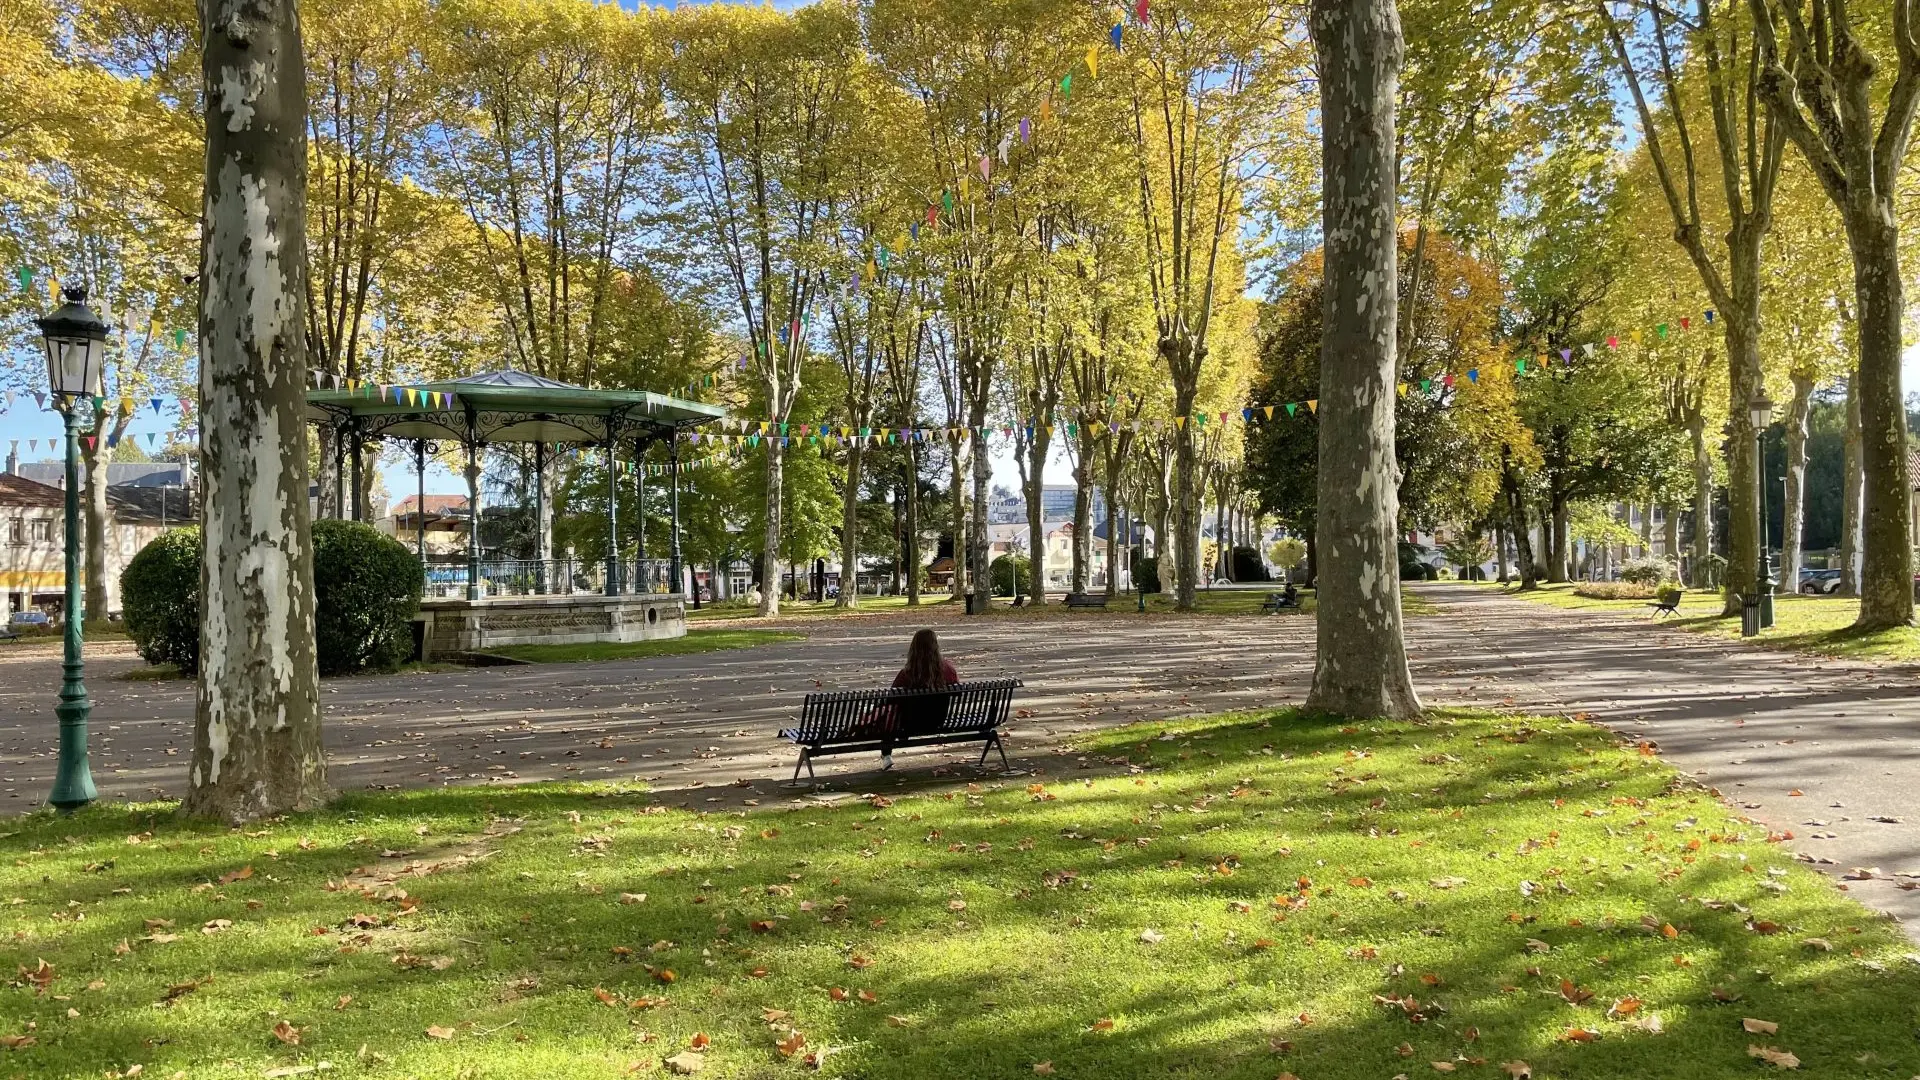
(359, 499)
(420, 507)
(340, 469)
(641, 582)
(473, 512)
(540, 550)
(673, 469)
(613, 520)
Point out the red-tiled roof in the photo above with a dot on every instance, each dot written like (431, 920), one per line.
(20, 491)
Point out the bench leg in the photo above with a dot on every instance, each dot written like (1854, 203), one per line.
(805, 759)
(993, 743)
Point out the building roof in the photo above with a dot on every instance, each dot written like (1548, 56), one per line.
(507, 406)
(18, 491)
(119, 473)
(137, 505)
(436, 504)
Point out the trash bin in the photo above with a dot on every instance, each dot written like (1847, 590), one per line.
(1749, 614)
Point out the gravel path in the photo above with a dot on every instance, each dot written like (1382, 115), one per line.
(1826, 749)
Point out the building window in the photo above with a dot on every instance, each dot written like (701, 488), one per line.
(43, 532)
(17, 531)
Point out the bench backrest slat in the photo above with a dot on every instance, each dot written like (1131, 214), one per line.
(973, 706)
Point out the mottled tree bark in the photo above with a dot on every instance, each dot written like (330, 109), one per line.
(1500, 551)
(1886, 570)
(770, 547)
(1361, 664)
(1082, 511)
(1701, 567)
(911, 556)
(1670, 532)
(1850, 475)
(850, 528)
(1824, 103)
(1558, 542)
(1793, 510)
(961, 550)
(96, 522)
(256, 738)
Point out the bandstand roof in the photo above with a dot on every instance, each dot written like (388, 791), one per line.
(507, 406)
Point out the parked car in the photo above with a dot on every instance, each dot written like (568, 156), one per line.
(29, 620)
(1819, 582)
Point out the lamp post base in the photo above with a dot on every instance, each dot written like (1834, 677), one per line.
(73, 779)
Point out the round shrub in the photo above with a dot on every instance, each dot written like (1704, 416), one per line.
(366, 591)
(160, 599)
(1647, 570)
(1009, 574)
(1146, 574)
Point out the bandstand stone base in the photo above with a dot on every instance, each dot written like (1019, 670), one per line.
(453, 627)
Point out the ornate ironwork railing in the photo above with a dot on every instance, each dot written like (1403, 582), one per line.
(447, 577)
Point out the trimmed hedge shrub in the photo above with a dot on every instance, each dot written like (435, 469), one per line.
(160, 599)
(1248, 566)
(1009, 574)
(1146, 574)
(366, 590)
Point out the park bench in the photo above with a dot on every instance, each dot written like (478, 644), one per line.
(1087, 600)
(1667, 604)
(1277, 602)
(842, 721)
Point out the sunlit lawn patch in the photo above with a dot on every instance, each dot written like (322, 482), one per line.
(1229, 897)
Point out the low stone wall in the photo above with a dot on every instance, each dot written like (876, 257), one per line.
(459, 626)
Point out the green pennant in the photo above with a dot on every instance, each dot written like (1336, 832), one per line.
(1426, 386)
(1662, 331)
(1520, 365)
(946, 199)
(1066, 85)
(1292, 408)
(25, 276)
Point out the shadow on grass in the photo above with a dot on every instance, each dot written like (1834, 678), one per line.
(1232, 887)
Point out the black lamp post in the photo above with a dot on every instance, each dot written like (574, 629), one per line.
(76, 342)
(1760, 412)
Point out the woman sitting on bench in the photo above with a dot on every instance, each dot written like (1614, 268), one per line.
(925, 669)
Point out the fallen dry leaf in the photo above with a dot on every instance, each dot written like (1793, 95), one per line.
(790, 1045)
(287, 1033)
(1043, 1068)
(16, 1042)
(1626, 1006)
(1780, 1058)
(437, 1032)
(1535, 945)
(686, 1063)
(1759, 1027)
(1819, 943)
(232, 876)
(1517, 1070)
(1442, 1066)
(1574, 995)
(1580, 1035)
(1102, 1024)
(633, 897)
(699, 1041)
(1152, 936)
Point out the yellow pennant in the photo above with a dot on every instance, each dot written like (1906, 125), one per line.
(1635, 336)
(1180, 423)
(872, 271)
(1269, 412)
(1403, 389)
(1313, 405)
(1046, 108)
(1093, 62)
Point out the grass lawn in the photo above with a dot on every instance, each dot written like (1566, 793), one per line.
(1232, 898)
(696, 641)
(738, 609)
(1820, 625)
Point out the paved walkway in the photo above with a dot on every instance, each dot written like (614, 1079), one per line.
(1758, 726)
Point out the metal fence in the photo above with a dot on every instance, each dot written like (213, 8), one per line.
(446, 577)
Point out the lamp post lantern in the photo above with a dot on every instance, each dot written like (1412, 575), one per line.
(76, 344)
(1760, 412)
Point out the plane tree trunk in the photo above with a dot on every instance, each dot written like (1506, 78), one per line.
(256, 735)
(1361, 664)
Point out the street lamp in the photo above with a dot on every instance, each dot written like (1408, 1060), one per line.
(76, 342)
(1760, 412)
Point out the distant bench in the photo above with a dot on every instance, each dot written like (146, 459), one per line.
(1667, 604)
(1087, 600)
(851, 721)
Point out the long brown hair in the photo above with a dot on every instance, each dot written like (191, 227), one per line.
(923, 660)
